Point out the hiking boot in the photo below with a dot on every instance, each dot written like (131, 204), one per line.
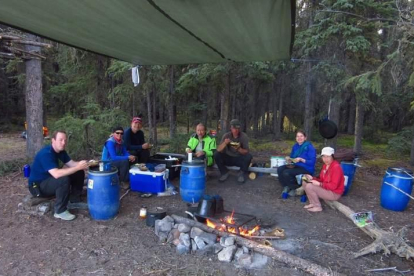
(300, 191)
(65, 215)
(285, 190)
(292, 192)
(240, 178)
(224, 177)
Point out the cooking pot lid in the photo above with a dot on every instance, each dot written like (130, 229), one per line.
(328, 129)
(156, 211)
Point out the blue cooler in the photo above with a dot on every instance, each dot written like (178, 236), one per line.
(147, 181)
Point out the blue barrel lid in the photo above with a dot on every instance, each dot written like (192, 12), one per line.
(399, 170)
(194, 163)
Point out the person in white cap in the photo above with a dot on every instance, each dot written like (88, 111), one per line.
(329, 185)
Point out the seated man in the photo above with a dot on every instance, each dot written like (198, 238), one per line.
(233, 151)
(135, 141)
(201, 145)
(115, 151)
(47, 179)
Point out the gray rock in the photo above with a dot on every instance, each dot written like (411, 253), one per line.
(182, 249)
(185, 239)
(238, 253)
(193, 245)
(157, 227)
(217, 248)
(245, 250)
(226, 255)
(176, 242)
(162, 237)
(195, 231)
(207, 250)
(165, 225)
(229, 241)
(245, 260)
(174, 234)
(222, 241)
(258, 260)
(200, 242)
(208, 238)
(183, 228)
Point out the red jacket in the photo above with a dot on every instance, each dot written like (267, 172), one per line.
(332, 179)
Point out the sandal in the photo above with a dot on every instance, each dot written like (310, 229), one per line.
(308, 206)
(315, 209)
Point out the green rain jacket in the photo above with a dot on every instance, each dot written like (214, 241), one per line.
(209, 146)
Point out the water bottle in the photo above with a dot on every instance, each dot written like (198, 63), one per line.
(26, 170)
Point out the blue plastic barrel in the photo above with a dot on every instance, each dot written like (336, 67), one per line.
(349, 171)
(192, 181)
(391, 198)
(103, 193)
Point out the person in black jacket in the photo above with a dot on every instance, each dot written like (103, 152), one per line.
(135, 141)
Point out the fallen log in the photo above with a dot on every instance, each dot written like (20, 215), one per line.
(387, 241)
(271, 252)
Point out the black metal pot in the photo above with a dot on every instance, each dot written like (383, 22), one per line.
(328, 129)
(154, 214)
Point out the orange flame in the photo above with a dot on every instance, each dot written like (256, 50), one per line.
(230, 220)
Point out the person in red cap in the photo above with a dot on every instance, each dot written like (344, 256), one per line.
(135, 141)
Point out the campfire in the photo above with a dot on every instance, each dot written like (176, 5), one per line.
(228, 224)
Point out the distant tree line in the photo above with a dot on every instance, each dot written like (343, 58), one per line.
(352, 62)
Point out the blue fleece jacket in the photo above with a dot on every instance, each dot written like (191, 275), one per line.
(114, 151)
(309, 155)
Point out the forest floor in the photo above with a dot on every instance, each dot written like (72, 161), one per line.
(43, 245)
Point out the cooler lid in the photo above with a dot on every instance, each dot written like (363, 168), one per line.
(136, 170)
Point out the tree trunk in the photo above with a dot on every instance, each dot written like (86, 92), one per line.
(308, 120)
(34, 101)
(150, 111)
(359, 123)
(154, 115)
(351, 117)
(172, 108)
(412, 152)
(334, 111)
(278, 116)
(224, 106)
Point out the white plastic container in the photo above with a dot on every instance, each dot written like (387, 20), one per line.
(277, 161)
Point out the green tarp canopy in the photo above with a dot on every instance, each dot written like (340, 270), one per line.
(146, 32)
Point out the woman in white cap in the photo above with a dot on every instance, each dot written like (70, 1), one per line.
(329, 185)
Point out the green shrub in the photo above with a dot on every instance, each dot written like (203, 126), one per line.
(176, 144)
(401, 143)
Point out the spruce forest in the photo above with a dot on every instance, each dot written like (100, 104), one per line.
(352, 62)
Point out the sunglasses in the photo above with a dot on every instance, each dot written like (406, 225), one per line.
(119, 133)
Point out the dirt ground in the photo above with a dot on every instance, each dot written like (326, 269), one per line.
(33, 245)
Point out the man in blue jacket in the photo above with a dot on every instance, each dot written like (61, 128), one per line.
(114, 151)
(135, 141)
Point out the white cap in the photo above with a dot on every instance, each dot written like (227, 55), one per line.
(328, 151)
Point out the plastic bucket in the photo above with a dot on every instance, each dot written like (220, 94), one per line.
(192, 181)
(349, 171)
(277, 161)
(103, 194)
(391, 198)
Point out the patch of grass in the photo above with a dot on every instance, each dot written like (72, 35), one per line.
(11, 166)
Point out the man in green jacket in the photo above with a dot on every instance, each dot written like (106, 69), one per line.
(201, 145)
